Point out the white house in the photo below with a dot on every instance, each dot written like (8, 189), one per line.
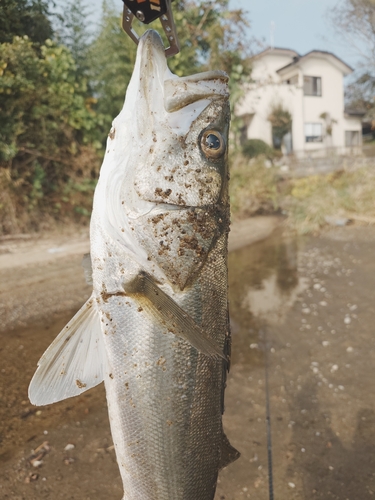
(311, 89)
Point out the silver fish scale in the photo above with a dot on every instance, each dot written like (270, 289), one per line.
(163, 396)
(158, 251)
(206, 441)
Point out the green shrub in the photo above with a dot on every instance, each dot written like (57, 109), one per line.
(256, 147)
(48, 134)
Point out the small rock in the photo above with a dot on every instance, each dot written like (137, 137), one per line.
(291, 485)
(36, 463)
(336, 221)
(69, 447)
(347, 320)
(349, 349)
(31, 477)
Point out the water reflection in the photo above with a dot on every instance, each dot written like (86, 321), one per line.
(320, 369)
(264, 283)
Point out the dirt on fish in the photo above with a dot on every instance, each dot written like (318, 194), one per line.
(309, 301)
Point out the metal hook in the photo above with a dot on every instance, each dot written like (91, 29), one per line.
(147, 11)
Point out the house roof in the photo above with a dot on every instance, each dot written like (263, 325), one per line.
(345, 68)
(355, 112)
(276, 50)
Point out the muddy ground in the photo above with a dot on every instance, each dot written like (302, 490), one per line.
(306, 305)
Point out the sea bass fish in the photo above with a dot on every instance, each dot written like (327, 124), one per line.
(156, 327)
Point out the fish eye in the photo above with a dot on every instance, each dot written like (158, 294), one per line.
(212, 144)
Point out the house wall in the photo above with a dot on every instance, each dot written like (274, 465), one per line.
(270, 89)
(331, 101)
(260, 101)
(261, 96)
(264, 69)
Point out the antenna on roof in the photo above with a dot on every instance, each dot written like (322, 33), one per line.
(272, 34)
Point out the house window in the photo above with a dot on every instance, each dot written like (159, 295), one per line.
(312, 85)
(313, 132)
(351, 138)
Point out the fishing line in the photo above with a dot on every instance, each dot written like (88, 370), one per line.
(263, 336)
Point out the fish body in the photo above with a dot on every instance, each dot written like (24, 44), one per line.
(158, 316)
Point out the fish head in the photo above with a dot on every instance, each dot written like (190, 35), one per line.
(166, 162)
(182, 131)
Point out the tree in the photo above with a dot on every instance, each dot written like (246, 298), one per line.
(25, 17)
(73, 32)
(111, 59)
(281, 121)
(45, 121)
(354, 22)
(211, 37)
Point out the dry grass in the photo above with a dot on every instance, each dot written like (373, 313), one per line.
(27, 206)
(306, 201)
(253, 187)
(338, 194)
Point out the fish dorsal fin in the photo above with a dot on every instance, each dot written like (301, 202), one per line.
(73, 363)
(228, 454)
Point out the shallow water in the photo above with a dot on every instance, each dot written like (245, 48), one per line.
(310, 304)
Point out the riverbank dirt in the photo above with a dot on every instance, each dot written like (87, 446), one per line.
(41, 275)
(309, 302)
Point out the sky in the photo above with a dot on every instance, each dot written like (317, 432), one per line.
(301, 25)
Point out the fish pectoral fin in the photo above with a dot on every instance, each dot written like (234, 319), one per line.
(228, 454)
(176, 319)
(73, 363)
